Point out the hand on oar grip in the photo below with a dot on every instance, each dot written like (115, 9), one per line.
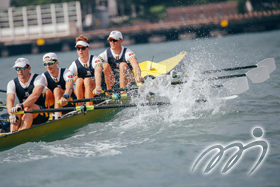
(16, 108)
(13, 118)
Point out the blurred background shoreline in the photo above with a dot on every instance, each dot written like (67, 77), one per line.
(32, 27)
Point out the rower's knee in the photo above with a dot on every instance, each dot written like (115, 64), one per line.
(79, 82)
(58, 91)
(123, 66)
(49, 97)
(124, 69)
(88, 81)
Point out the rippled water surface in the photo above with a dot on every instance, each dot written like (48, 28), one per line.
(158, 145)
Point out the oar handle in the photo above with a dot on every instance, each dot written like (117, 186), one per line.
(229, 69)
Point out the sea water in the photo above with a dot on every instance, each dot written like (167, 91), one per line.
(159, 145)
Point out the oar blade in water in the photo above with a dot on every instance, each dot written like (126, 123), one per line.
(258, 75)
(269, 63)
(237, 85)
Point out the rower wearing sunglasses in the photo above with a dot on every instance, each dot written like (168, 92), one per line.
(59, 82)
(29, 88)
(88, 70)
(118, 62)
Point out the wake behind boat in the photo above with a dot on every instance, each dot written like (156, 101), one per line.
(80, 116)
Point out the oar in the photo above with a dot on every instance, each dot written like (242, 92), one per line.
(3, 91)
(84, 108)
(2, 106)
(235, 86)
(122, 89)
(113, 97)
(4, 120)
(269, 63)
(257, 75)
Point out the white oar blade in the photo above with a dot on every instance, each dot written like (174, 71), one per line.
(258, 75)
(237, 85)
(269, 63)
(228, 97)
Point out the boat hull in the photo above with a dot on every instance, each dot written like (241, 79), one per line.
(37, 132)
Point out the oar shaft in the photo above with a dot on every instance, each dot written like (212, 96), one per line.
(121, 89)
(113, 97)
(213, 78)
(3, 90)
(226, 77)
(131, 105)
(229, 69)
(83, 108)
(48, 110)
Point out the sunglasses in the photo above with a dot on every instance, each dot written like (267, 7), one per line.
(113, 40)
(49, 63)
(22, 69)
(82, 48)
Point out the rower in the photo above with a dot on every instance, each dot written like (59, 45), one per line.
(29, 88)
(118, 62)
(88, 70)
(59, 82)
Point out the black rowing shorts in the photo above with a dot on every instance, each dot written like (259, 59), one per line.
(41, 118)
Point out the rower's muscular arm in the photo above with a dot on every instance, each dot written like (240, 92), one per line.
(97, 75)
(69, 87)
(135, 65)
(34, 96)
(10, 101)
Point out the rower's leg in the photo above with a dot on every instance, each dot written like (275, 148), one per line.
(88, 84)
(49, 98)
(15, 126)
(79, 89)
(109, 75)
(27, 118)
(58, 93)
(126, 75)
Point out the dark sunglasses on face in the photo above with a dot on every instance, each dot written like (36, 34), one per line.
(82, 48)
(22, 69)
(113, 40)
(49, 63)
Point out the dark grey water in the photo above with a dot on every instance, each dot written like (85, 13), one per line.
(158, 146)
